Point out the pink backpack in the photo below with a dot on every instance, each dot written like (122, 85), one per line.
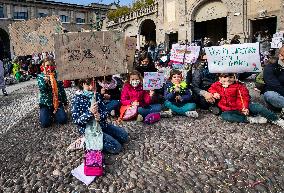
(152, 118)
(130, 113)
(93, 164)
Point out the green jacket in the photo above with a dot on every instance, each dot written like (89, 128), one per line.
(45, 94)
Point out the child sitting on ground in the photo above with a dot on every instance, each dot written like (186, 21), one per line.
(132, 94)
(83, 113)
(110, 91)
(178, 95)
(234, 100)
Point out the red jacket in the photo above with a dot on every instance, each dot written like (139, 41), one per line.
(235, 97)
(130, 94)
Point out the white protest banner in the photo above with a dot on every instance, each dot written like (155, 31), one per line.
(236, 58)
(186, 53)
(91, 54)
(278, 34)
(35, 35)
(277, 42)
(153, 80)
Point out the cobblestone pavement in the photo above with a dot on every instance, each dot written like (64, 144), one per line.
(174, 155)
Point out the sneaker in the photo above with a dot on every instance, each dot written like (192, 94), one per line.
(192, 114)
(282, 114)
(112, 113)
(166, 114)
(258, 119)
(139, 118)
(215, 110)
(279, 122)
(4, 92)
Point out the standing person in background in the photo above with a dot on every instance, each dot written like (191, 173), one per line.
(17, 69)
(2, 80)
(52, 96)
(145, 64)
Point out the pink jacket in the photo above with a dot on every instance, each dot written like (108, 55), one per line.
(130, 94)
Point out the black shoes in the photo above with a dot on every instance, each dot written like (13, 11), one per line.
(4, 92)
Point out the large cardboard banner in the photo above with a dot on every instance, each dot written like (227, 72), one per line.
(236, 58)
(130, 46)
(91, 54)
(34, 36)
(186, 53)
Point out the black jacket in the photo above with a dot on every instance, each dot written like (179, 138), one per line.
(273, 75)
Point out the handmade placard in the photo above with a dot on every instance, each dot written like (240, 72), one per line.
(35, 35)
(90, 54)
(153, 80)
(184, 53)
(236, 58)
(277, 42)
(130, 46)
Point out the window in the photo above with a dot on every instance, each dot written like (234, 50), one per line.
(1, 11)
(80, 20)
(64, 18)
(42, 15)
(20, 15)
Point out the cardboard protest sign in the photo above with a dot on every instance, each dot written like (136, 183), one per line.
(34, 36)
(90, 54)
(236, 58)
(186, 53)
(278, 34)
(277, 42)
(130, 46)
(153, 80)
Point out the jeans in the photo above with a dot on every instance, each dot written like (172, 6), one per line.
(46, 116)
(113, 137)
(154, 108)
(274, 99)
(180, 110)
(254, 108)
(112, 105)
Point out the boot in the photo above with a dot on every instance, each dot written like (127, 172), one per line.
(4, 92)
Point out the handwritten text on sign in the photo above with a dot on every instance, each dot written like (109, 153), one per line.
(235, 58)
(188, 54)
(153, 80)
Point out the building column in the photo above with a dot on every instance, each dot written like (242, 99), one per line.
(9, 11)
(138, 41)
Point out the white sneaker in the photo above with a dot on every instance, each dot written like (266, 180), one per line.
(279, 122)
(112, 113)
(192, 114)
(166, 114)
(258, 119)
(139, 118)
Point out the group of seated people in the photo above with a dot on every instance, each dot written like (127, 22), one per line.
(222, 94)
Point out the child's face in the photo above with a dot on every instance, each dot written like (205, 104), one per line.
(134, 78)
(227, 81)
(176, 78)
(88, 87)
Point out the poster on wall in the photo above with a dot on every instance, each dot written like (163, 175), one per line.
(35, 35)
(91, 54)
(186, 53)
(236, 58)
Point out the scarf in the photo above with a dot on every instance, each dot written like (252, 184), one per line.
(108, 86)
(54, 88)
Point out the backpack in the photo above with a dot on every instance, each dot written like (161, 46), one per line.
(93, 163)
(152, 118)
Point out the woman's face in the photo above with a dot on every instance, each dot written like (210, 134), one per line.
(145, 62)
(176, 78)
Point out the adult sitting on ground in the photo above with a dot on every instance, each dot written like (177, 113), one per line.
(52, 97)
(273, 75)
(202, 79)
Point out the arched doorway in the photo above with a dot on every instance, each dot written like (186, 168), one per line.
(148, 30)
(210, 20)
(4, 44)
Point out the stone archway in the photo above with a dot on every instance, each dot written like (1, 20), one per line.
(4, 44)
(147, 29)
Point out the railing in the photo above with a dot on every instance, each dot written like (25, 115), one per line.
(135, 14)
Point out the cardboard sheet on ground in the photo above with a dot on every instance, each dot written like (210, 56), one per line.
(91, 54)
(188, 54)
(235, 58)
(153, 80)
(80, 175)
(34, 36)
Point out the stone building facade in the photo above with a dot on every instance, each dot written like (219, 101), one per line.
(178, 20)
(74, 17)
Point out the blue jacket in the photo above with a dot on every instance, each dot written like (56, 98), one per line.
(170, 94)
(81, 114)
(273, 76)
